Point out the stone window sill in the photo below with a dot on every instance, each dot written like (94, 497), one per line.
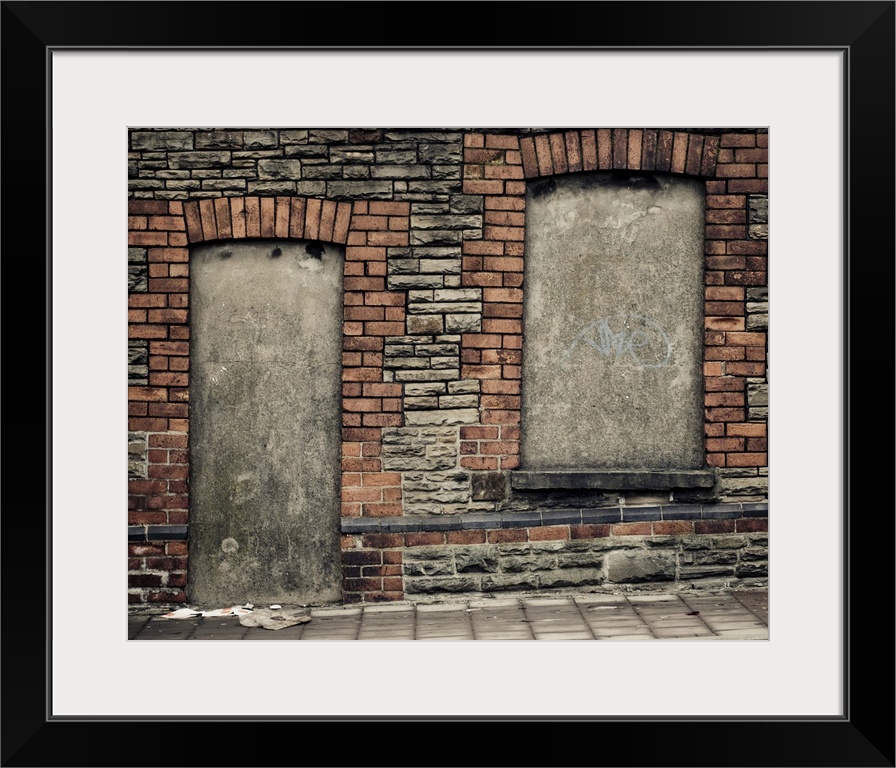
(614, 480)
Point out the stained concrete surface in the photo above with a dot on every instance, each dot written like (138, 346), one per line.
(612, 361)
(265, 421)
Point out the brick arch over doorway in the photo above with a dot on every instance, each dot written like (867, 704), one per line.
(158, 413)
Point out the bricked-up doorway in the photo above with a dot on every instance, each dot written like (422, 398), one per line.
(265, 434)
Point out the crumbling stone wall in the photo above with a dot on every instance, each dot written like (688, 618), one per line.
(433, 222)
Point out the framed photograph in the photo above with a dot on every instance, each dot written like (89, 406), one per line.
(817, 76)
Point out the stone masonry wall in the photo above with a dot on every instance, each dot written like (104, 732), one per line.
(433, 222)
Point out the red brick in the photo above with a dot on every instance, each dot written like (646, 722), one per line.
(748, 247)
(429, 539)
(384, 509)
(478, 433)
(549, 533)
(479, 462)
(746, 369)
(147, 238)
(726, 262)
(679, 152)
(751, 525)
(736, 170)
(137, 207)
(752, 186)
(726, 201)
(383, 541)
(747, 459)
(746, 278)
(484, 187)
(630, 529)
(482, 279)
(713, 526)
(747, 339)
(673, 528)
(726, 293)
(664, 144)
(558, 153)
(465, 537)
(620, 148)
(529, 157)
(506, 535)
(738, 140)
(543, 154)
(724, 444)
(724, 414)
(725, 231)
(724, 323)
(589, 531)
(502, 294)
(635, 137)
(694, 154)
(589, 150)
(728, 399)
(648, 150)
(724, 353)
(748, 429)
(722, 308)
(573, 151)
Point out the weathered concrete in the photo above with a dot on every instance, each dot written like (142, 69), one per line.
(613, 317)
(265, 422)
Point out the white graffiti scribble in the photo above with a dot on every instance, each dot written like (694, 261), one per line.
(635, 338)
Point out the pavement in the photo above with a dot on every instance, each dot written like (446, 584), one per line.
(703, 615)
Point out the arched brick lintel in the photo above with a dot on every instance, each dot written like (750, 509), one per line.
(632, 149)
(234, 218)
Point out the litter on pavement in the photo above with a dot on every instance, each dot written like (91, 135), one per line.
(268, 618)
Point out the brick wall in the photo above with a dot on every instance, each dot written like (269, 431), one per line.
(433, 222)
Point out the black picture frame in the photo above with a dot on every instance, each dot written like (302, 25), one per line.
(864, 736)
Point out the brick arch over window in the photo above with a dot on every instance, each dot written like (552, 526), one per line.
(160, 232)
(614, 149)
(497, 167)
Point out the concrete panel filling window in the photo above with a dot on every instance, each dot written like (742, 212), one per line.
(613, 319)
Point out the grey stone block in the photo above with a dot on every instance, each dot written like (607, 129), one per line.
(161, 140)
(210, 159)
(260, 139)
(639, 567)
(488, 486)
(503, 582)
(705, 571)
(138, 278)
(571, 577)
(293, 137)
(441, 153)
(580, 560)
(758, 209)
(362, 190)
(438, 584)
(272, 187)
(466, 204)
(463, 323)
(219, 140)
(476, 559)
(280, 169)
(321, 136)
